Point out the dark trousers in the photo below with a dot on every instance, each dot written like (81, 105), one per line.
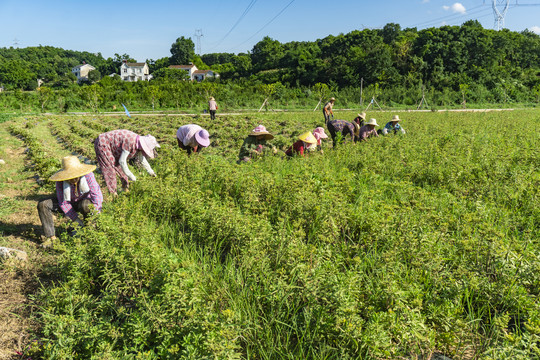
(327, 116)
(212, 114)
(48, 206)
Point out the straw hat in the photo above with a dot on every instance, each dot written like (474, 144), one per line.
(362, 115)
(395, 118)
(308, 137)
(71, 169)
(332, 99)
(203, 138)
(319, 133)
(372, 122)
(260, 131)
(148, 144)
(212, 98)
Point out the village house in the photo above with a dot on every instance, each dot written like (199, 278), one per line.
(81, 71)
(194, 73)
(135, 72)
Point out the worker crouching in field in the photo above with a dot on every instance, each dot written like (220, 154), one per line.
(77, 191)
(319, 134)
(300, 147)
(114, 148)
(192, 138)
(360, 119)
(368, 130)
(393, 126)
(345, 128)
(256, 145)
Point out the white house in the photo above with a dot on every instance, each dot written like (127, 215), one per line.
(194, 73)
(135, 72)
(81, 71)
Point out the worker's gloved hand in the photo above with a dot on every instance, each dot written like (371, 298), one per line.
(132, 177)
(79, 221)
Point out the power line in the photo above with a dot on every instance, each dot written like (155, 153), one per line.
(265, 25)
(450, 17)
(248, 8)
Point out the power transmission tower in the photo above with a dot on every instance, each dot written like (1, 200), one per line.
(16, 42)
(198, 35)
(500, 7)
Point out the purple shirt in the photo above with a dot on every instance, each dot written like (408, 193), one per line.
(186, 134)
(365, 132)
(94, 195)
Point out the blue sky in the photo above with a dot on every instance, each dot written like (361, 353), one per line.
(146, 29)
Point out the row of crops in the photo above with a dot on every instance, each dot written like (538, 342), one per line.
(399, 247)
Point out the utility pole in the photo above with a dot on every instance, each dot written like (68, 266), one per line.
(361, 91)
(198, 35)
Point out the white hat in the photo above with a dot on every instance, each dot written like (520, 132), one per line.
(372, 122)
(395, 118)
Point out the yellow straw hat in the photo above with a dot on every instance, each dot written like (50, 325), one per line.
(362, 115)
(395, 118)
(71, 169)
(308, 137)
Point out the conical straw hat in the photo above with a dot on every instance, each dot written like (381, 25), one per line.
(71, 169)
(308, 137)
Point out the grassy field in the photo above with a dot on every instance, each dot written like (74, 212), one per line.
(396, 248)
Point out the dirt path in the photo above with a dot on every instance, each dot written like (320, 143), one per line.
(20, 229)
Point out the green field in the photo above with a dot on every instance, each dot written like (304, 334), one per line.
(395, 248)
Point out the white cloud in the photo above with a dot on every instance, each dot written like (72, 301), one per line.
(457, 8)
(535, 29)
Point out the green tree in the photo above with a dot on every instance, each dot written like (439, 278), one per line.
(182, 51)
(266, 54)
(94, 76)
(44, 94)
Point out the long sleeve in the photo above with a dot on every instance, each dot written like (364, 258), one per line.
(123, 164)
(146, 165)
(66, 206)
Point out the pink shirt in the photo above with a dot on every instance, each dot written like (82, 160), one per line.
(365, 132)
(212, 105)
(94, 195)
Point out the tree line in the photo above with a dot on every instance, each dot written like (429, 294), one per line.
(451, 64)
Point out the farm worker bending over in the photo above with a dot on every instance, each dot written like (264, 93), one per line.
(114, 148)
(327, 110)
(345, 128)
(255, 144)
(192, 138)
(77, 191)
(300, 147)
(368, 130)
(212, 107)
(360, 119)
(393, 125)
(319, 134)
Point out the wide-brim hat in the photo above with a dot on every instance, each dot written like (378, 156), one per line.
(203, 138)
(332, 99)
(212, 98)
(372, 122)
(362, 115)
(260, 131)
(148, 144)
(308, 138)
(71, 169)
(396, 118)
(319, 132)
